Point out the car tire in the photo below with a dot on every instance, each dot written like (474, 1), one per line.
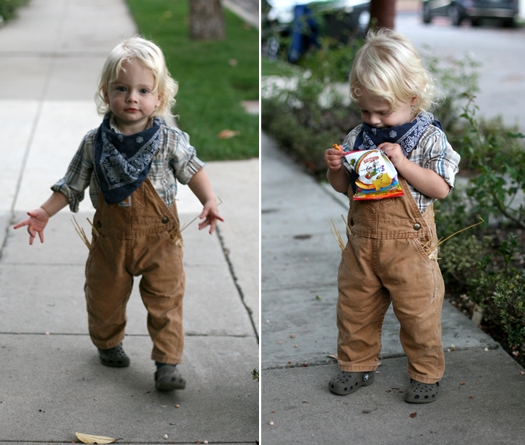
(509, 23)
(455, 16)
(427, 16)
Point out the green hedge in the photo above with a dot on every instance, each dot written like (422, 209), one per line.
(8, 8)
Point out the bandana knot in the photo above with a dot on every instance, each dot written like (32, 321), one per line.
(123, 162)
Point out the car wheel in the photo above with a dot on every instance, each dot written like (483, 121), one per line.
(475, 22)
(455, 16)
(427, 17)
(509, 23)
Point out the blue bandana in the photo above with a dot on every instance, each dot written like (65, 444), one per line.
(123, 162)
(406, 135)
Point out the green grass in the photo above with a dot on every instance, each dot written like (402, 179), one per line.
(210, 88)
(279, 68)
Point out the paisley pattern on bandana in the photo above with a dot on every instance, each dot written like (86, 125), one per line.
(123, 162)
(406, 135)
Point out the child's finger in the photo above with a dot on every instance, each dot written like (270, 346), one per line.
(21, 224)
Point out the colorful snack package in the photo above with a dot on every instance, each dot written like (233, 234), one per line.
(377, 176)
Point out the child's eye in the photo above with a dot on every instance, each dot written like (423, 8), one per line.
(144, 91)
(121, 89)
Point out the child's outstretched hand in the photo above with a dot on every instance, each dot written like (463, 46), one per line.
(36, 223)
(210, 215)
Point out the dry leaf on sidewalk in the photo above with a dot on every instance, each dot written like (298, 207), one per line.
(88, 438)
(227, 134)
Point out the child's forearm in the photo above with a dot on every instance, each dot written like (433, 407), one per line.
(201, 187)
(56, 202)
(339, 179)
(424, 180)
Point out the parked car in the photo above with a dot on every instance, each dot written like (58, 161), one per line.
(304, 21)
(475, 10)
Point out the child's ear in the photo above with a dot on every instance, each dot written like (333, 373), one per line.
(105, 95)
(414, 101)
(159, 100)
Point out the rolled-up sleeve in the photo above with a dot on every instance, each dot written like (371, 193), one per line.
(441, 157)
(183, 161)
(78, 174)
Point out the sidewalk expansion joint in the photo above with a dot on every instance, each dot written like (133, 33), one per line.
(332, 361)
(236, 282)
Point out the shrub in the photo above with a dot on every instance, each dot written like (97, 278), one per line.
(8, 8)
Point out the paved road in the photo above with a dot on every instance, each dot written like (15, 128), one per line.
(500, 50)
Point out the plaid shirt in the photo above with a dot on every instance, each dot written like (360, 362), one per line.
(174, 161)
(432, 151)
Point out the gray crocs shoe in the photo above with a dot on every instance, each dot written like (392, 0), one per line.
(114, 357)
(421, 392)
(168, 378)
(348, 382)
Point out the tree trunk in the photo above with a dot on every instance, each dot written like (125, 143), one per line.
(382, 14)
(206, 20)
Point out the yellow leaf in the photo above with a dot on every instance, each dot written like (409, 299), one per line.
(226, 134)
(88, 438)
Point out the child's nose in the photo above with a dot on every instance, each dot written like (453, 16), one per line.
(374, 119)
(132, 96)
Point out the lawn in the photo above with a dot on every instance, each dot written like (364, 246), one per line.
(214, 77)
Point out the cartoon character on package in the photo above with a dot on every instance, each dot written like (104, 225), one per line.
(377, 176)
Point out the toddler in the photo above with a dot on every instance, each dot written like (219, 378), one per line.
(391, 251)
(131, 164)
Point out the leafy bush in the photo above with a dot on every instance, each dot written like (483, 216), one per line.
(497, 159)
(309, 114)
(8, 8)
(501, 293)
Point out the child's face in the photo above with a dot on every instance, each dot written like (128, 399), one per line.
(131, 98)
(378, 113)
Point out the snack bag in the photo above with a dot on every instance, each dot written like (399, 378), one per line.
(377, 176)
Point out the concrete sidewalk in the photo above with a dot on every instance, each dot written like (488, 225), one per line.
(482, 397)
(51, 382)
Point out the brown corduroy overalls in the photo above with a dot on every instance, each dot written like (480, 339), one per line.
(389, 258)
(142, 239)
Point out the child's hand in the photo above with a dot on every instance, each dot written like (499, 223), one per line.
(334, 159)
(393, 152)
(36, 223)
(210, 215)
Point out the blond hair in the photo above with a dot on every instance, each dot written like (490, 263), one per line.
(151, 58)
(389, 69)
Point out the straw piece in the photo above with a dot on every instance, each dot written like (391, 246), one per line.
(459, 231)
(81, 233)
(337, 235)
(93, 227)
(199, 215)
(348, 230)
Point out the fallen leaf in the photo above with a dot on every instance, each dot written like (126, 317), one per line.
(462, 383)
(88, 438)
(227, 134)
(292, 335)
(413, 415)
